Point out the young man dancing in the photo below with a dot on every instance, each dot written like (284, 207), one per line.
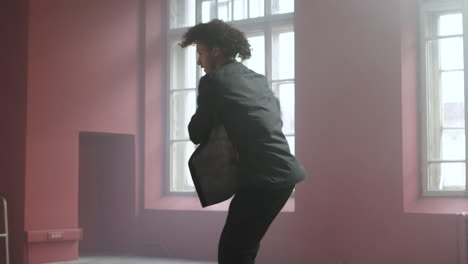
(243, 102)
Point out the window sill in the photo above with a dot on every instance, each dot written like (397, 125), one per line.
(191, 203)
(438, 205)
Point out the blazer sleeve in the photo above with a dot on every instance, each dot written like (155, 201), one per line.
(202, 121)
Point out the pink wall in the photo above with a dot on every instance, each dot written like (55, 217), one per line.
(13, 72)
(349, 89)
(353, 97)
(83, 76)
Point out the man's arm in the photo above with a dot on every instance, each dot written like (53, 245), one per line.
(202, 121)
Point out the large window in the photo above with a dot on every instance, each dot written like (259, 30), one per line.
(443, 93)
(269, 26)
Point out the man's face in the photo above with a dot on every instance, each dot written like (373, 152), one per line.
(206, 57)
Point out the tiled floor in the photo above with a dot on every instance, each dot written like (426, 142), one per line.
(129, 260)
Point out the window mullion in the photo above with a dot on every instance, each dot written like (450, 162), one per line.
(168, 95)
(423, 101)
(198, 13)
(267, 7)
(443, 37)
(283, 81)
(465, 60)
(268, 43)
(268, 53)
(198, 20)
(436, 109)
(232, 10)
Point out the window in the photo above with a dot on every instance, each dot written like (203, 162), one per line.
(269, 27)
(443, 93)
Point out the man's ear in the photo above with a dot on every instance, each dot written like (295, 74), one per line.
(216, 51)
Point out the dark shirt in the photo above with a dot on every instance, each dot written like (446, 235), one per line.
(243, 102)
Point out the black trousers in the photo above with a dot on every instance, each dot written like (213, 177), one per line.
(250, 215)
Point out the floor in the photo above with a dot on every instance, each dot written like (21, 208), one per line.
(129, 260)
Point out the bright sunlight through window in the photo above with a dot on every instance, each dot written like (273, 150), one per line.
(443, 93)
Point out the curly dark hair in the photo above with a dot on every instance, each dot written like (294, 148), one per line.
(217, 33)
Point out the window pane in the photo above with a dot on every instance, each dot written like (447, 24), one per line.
(184, 63)
(225, 10)
(292, 144)
(182, 13)
(240, 9)
(452, 85)
(282, 6)
(183, 106)
(257, 61)
(451, 53)
(446, 177)
(453, 144)
(283, 56)
(208, 10)
(285, 94)
(451, 24)
(181, 178)
(257, 8)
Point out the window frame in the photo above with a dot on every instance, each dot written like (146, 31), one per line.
(426, 87)
(264, 25)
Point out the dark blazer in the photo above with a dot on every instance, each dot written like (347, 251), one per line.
(244, 103)
(214, 167)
